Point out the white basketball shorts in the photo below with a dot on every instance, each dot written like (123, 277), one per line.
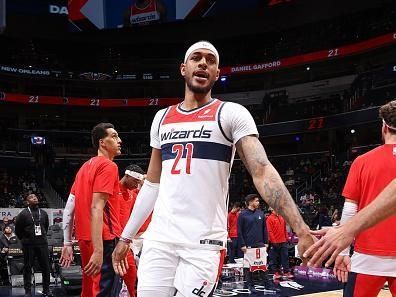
(163, 266)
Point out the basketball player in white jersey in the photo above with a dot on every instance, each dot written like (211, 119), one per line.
(193, 145)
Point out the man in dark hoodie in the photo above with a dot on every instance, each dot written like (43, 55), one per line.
(253, 239)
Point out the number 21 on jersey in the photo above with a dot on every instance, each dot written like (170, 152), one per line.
(178, 149)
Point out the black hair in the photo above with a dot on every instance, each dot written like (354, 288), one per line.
(28, 195)
(99, 132)
(250, 198)
(236, 204)
(135, 168)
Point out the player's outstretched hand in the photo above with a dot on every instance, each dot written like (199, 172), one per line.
(334, 241)
(120, 263)
(342, 266)
(95, 264)
(66, 256)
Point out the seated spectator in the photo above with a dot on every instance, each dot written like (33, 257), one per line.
(303, 198)
(289, 171)
(332, 194)
(336, 218)
(4, 223)
(12, 224)
(290, 181)
(324, 218)
(331, 210)
(346, 164)
(5, 239)
(315, 219)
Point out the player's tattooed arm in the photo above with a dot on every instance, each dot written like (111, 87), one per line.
(268, 182)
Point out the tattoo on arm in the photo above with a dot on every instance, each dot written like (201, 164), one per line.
(274, 193)
(268, 182)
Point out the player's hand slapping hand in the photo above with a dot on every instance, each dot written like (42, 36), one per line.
(304, 242)
(120, 263)
(66, 256)
(334, 241)
(95, 264)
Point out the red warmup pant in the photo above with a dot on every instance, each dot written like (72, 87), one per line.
(364, 285)
(102, 284)
(131, 275)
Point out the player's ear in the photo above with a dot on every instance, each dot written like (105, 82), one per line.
(183, 69)
(217, 74)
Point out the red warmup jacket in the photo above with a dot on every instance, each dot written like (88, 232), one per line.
(276, 227)
(232, 223)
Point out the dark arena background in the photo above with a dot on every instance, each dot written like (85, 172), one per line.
(313, 74)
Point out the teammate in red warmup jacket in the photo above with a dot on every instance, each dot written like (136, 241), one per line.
(94, 205)
(129, 184)
(232, 226)
(276, 227)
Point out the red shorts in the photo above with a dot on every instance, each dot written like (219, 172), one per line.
(364, 285)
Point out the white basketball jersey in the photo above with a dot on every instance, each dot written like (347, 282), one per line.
(255, 259)
(197, 148)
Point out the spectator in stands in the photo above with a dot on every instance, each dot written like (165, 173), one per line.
(11, 200)
(324, 218)
(4, 223)
(331, 210)
(31, 228)
(336, 218)
(314, 218)
(5, 239)
(307, 201)
(12, 224)
(304, 197)
(8, 233)
(332, 195)
(289, 171)
(290, 181)
(278, 251)
(232, 226)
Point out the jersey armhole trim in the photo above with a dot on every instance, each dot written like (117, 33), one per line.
(219, 123)
(162, 118)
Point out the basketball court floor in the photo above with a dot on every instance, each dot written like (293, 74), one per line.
(234, 287)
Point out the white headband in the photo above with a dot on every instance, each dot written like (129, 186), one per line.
(389, 126)
(134, 174)
(202, 44)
